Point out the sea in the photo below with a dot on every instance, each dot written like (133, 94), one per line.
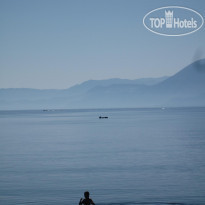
(144, 156)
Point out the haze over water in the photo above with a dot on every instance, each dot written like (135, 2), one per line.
(136, 156)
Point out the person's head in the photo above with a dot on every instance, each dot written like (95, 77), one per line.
(86, 194)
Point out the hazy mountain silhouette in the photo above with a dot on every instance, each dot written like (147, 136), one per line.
(26, 98)
(90, 84)
(186, 88)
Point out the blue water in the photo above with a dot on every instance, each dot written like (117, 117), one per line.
(136, 156)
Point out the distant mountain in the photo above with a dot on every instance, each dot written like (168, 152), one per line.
(90, 84)
(26, 98)
(185, 88)
(191, 79)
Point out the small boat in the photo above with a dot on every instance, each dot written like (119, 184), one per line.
(101, 117)
(48, 110)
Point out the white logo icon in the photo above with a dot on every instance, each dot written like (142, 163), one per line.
(169, 18)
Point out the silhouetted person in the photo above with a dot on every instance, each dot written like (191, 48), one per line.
(87, 200)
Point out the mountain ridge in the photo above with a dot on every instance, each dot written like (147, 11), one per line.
(185, 88)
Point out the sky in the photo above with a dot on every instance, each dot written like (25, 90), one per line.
(55, 44)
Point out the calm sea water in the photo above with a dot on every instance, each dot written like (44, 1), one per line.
(136, 156)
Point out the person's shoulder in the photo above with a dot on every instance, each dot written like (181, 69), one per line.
(91, 201)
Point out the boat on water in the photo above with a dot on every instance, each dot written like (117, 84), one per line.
(103, 117)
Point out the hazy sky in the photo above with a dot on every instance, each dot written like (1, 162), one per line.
(59, 43)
